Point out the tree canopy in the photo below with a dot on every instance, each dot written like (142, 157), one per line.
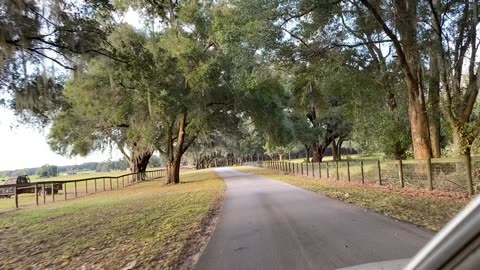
(217, 81)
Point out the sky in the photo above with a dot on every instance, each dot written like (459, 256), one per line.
(26, 147)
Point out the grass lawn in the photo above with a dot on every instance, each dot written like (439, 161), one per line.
(83, 188)
(424, 208)
(147, 225)
(79, 175)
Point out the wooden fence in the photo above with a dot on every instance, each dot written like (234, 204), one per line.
(41, 192)
(449, 174)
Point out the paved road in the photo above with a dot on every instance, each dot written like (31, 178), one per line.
(266, 224)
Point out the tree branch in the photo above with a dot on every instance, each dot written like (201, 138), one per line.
(188, 144)
(390, 34)
(295, 36)
(361, 43)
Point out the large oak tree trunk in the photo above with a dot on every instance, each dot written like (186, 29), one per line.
(174, 154)
(317, 157)
(334, 151)
(462, 139)
(339, 149)
(434, 106)
(420, 128)
(173, 172)
(406, 22)
(407, 49)
(307, 152)
(318, 152)
(138, 165)
(434, 89)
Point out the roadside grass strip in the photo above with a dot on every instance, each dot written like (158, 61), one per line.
(429, 209)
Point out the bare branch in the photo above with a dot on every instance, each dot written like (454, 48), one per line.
(361, 43)
(295, 36)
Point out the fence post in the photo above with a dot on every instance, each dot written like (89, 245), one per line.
(336, 164)
(44, 194)
(16, 197)
(348, 171)
(75, 187)
(361, 170)
(95, 183)
(313, 169)
(400, 173)
(123, 181)
(117, 182)
(110, 183)
(65, 191)
(306, 165)
(103, 183)
(36, 193)
(379, 173)
(469, 175)
(301, 166)
(319, 170)
(429, 174)
(328, 172)
(86, 187)
(297, 169)
(53, 193)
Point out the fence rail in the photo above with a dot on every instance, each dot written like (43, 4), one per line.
(449, 174)
(52, 191)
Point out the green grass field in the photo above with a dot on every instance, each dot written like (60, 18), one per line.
(148, 225)
(428, 209)
(83, 188)
(79, 175)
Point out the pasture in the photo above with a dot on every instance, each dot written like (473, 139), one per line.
(82, 188)
(147, 225)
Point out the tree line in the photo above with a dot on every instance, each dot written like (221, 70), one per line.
(204, 80)
(54, 170)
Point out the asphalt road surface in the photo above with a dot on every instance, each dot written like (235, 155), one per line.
(266, 224)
